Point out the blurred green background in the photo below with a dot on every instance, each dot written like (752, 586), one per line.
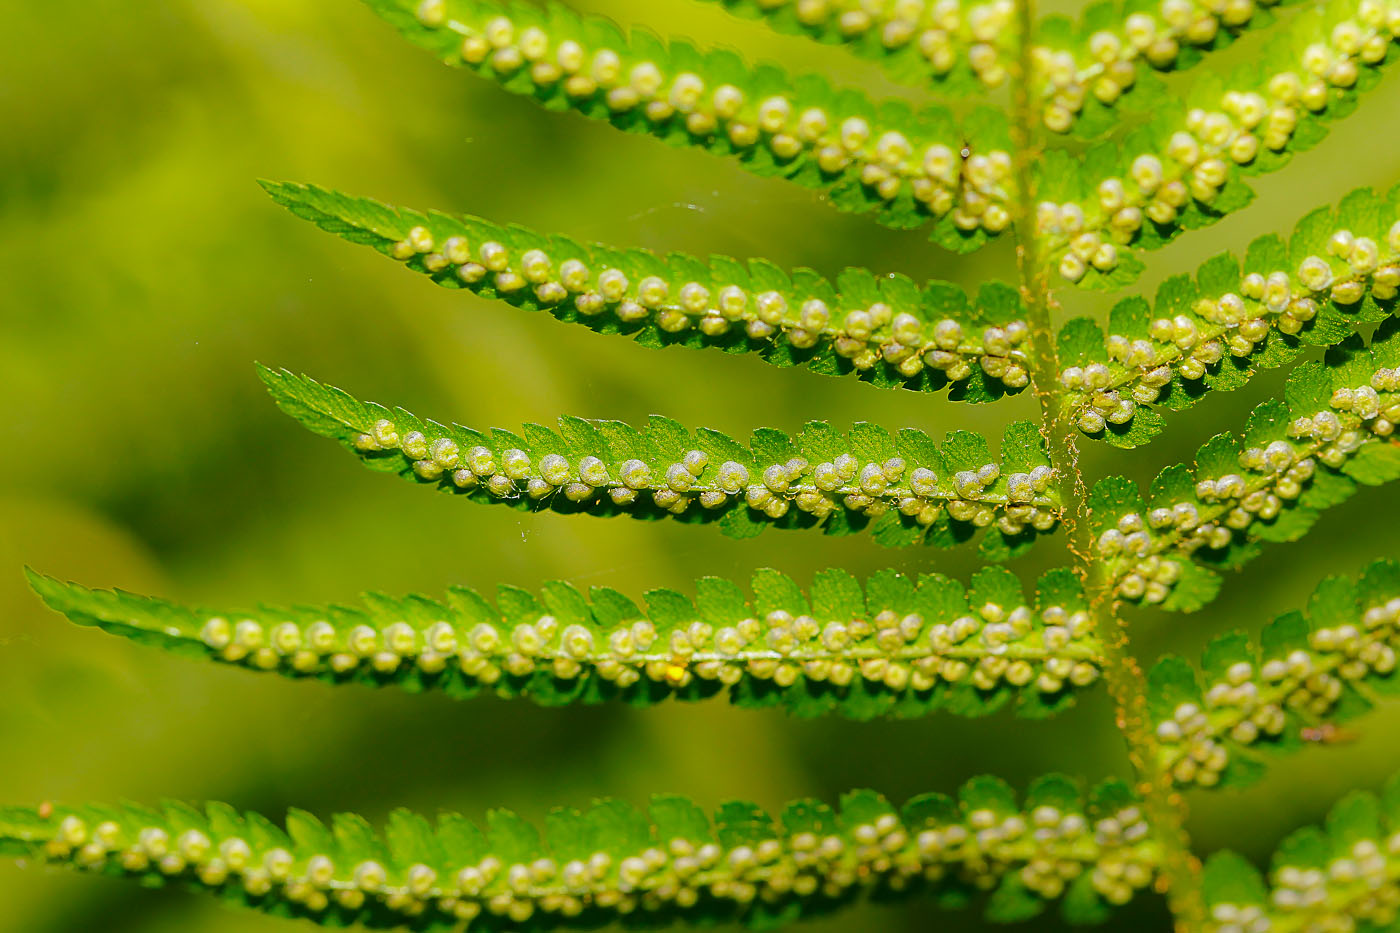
(144, 271)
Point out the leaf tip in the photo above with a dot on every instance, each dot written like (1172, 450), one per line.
(275, 379)
(50, 589)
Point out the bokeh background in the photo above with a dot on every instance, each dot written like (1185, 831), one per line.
(143, 272)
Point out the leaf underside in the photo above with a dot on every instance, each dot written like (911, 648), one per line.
(1331, 433)
(1219, 724)
(894, 646)
(903, 488)
(612, 860)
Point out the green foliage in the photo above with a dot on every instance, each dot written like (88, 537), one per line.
(1186, 167)
(1095, 71)
(613, 860)
(886, 330)
(1332, 433)
(1117, 49)
(1341, 876)
(894, 647)
(897, 645)
(902, 487)
(1214, 332)
(885, 157)
(1309, 672)
(1181, 170)
(927, 48)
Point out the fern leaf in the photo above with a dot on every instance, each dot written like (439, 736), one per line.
(1333, 431)
(610, 861)
(902, 487)
(885, 330)
(1186, 168)
(1341, 876)
(1310, 671)
(888, 157)
(1340, 268)
(895, 647)
(954, 51)
(1090, 72)
(1098, 71)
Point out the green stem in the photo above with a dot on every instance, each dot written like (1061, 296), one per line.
(1180, 876)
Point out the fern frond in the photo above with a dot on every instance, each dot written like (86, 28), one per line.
(902, 487)
(1089, 73)
(1103, 68)
(886, 330)
(956, 51)
(1339, 269)
(1333, 430)
(1344, 876)
(1182, 171)
(1309, 671)
(888, 157)
(669, 864)
(894, 647)
(1186, 168)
